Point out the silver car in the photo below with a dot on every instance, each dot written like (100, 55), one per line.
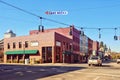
(118, 61)
(94, 60)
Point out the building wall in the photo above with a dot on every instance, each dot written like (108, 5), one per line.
(84, 44)
(84, 48)
(90, 46)
(1, 50)
(62, 31)
(69, 32)
(58, 42)
(95, 47)
(76, 40)
(9, 34)
(66, 43)
(46, 39)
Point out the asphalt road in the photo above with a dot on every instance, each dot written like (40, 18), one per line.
(109, 71)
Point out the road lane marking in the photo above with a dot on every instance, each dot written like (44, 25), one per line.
(101, 74)
(97, 78)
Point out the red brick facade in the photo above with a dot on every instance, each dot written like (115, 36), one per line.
(90, 46)
(69, 32)
(1, 50)
(54, 46)
(96, 47)
(60, 45)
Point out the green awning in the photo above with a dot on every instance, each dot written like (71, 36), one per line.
(22, 52)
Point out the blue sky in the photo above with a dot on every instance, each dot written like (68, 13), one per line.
(82, 13)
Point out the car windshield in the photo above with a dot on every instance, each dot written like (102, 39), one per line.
(94, 57)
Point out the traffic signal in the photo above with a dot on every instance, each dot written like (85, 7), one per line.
(99, 35)
(115, 37)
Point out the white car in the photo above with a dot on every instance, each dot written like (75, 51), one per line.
(118, 61)
(94, 60)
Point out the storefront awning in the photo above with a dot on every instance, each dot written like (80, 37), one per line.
(67, 52)
(22, 52)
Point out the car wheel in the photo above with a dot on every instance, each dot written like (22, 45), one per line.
(89, 64)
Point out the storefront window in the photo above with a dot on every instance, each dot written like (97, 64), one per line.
(47, 54)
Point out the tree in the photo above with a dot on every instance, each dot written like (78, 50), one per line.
(101, 44)
(109, 50)
(105, 48)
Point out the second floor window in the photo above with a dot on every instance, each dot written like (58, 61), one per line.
(14, 45)
(20, 44)
(26, 44)
(8, 45)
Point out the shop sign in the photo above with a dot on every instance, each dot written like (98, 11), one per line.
(58, 43)
(34, 43)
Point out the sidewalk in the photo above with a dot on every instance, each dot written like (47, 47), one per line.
(51, 64)
(114, 64)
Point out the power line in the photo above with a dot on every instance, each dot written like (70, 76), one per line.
(51, 20)
(32, 13)
(18, 8)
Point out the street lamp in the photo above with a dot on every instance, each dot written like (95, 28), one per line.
(24, 52)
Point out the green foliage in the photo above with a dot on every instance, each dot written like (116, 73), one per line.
(104, 46)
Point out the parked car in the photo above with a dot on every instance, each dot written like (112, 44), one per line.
(94, 60)
(118, 61)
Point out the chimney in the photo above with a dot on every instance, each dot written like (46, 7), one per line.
(71, 30)
(39, 28)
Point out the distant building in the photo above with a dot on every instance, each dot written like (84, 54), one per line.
(1, 50)
(90, 46)
(9, 34)
(84, 47)
(95, 47)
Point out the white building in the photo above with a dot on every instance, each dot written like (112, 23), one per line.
(9, 34)
(84, 47)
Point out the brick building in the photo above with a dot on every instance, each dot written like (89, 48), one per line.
(45, 46)
(95, 47)
(90, 46)
(1, 50)
(69, 32)
(84, 47)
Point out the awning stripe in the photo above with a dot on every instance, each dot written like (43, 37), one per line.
(22, 52)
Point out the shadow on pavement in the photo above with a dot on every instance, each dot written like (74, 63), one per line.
(106, 65)
(25, 72)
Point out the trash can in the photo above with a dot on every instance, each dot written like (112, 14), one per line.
(26, 61)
